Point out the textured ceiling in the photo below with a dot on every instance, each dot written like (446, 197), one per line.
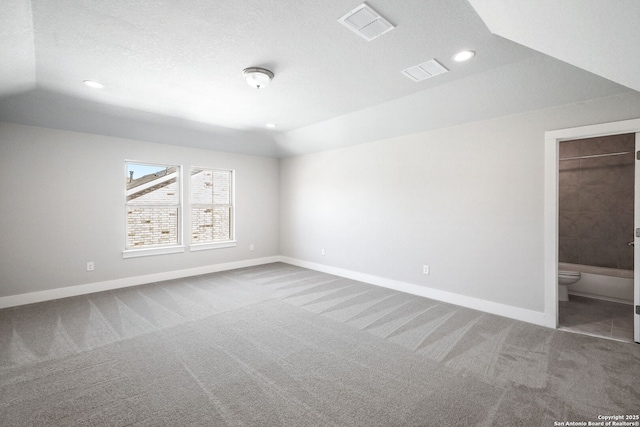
(17, 51)
(173, 71)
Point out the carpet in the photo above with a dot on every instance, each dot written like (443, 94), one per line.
(279, 345)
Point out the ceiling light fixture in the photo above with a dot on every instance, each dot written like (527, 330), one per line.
(93, 84)
(271, 125)
(257, 77)
(465, 55)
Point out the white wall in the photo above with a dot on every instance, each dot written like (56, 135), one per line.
(467, 200)
(62, 204)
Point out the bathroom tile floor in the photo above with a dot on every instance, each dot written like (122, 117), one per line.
(596, 317)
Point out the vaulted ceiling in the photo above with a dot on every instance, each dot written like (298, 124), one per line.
(173, 71)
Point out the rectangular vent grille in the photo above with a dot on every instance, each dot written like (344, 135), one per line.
(425, 70)
(366, 22)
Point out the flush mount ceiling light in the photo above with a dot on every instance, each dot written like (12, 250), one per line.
(271, 125)
(93, 84)
(257, 77)
(465, 55)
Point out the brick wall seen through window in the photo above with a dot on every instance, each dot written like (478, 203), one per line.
(152, 205)
(211, 205)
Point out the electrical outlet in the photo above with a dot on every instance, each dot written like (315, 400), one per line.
(251, 247)
(323, 252)
(425, 269)
(90, 266)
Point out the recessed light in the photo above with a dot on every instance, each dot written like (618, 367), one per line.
(271, 125)
(465, 55)
(93, 84)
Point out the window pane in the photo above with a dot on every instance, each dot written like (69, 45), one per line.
(201, 187)
(211, 224)
(210, 187)
(152, 184)
(147, 226)
(212, 213)
(222, 187)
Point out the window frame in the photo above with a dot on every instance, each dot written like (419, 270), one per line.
(232, 242)
(160, 249)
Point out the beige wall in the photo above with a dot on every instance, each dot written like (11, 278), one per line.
(467, 200)
(62, 204)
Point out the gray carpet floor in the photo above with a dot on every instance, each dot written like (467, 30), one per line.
(278, 345)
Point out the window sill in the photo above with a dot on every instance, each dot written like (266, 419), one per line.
(217, 245)
(134, 253)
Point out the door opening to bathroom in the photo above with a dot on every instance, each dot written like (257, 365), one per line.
(596, 179)
(552, 219)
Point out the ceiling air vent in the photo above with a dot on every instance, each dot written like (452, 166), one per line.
(366, 22)
(425, 70)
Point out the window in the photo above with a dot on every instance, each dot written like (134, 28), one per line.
(152, 208)
(211, 208)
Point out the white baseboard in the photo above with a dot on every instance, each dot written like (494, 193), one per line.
(71, 291)
(529, 316)
(524, 315)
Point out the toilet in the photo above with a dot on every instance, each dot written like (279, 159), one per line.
(566, 278)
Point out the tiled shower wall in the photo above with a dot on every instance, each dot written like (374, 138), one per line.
(596, 202)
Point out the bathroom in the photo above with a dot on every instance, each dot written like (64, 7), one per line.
(596, 234)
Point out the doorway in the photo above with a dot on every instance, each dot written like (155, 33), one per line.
(552, 145)
(595, 236)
